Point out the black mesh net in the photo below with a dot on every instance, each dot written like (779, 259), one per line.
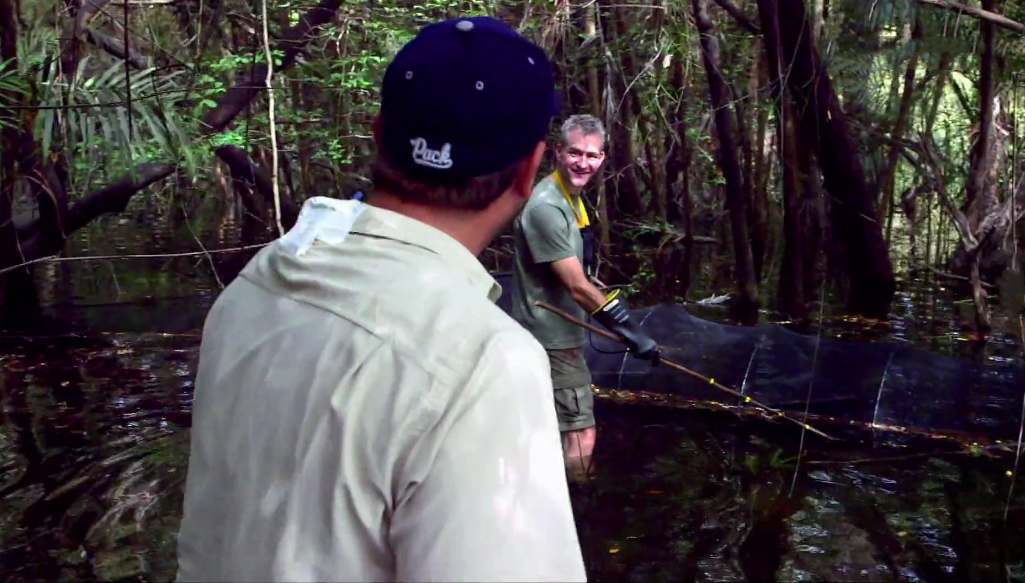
(880, 384)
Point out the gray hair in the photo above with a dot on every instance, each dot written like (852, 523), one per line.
(584, 123)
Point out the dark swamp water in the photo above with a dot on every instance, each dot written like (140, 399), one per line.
(94, 446)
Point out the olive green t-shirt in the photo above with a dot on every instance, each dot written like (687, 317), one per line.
(546, 231)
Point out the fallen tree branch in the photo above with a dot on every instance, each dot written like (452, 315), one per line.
(253, 81)
(939, 273)
(997, 19)
(46, 188)
(114, 47)
(934, 174)
(114, 198)
(76, 28)
(101, 40)
(111, 199)
(738, 15)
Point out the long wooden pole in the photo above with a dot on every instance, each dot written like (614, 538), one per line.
(997, 19)
(683, 369)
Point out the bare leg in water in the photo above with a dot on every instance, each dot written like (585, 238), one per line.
(577, 447)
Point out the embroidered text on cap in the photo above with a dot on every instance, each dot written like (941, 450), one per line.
(425, 156)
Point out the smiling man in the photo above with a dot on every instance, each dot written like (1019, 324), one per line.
(555, 257)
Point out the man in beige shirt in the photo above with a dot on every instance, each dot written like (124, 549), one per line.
(363, 410)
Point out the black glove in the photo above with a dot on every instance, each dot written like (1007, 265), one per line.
(614, 315)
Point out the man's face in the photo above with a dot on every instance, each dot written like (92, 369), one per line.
(580, 158)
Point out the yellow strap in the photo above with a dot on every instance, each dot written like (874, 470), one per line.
(578, 210)
(608, 300)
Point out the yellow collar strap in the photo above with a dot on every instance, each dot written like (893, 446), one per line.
(578, 208)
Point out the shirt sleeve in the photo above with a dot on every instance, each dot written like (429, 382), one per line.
(494, 505)
(548, 232)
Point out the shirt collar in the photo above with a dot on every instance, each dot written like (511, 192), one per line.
(383, 223)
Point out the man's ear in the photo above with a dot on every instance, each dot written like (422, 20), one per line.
(524, 183)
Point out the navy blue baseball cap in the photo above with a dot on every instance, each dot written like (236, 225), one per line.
(465, 98)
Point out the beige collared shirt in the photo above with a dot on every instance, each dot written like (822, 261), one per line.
(364, 412)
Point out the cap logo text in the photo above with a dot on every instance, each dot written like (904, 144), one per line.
(425, 156)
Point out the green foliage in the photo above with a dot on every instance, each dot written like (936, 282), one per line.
(325, 103)
(88, 117)
(13, 88)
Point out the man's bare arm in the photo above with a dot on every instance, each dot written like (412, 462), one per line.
(572, 275)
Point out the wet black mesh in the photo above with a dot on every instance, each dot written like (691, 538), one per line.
(880, 382)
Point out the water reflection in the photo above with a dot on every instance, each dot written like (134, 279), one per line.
(725, 490)
(94, 445)
(94, 453)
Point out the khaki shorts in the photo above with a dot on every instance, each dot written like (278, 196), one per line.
(571, 379)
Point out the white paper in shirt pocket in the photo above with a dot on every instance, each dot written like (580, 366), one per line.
(327, 219)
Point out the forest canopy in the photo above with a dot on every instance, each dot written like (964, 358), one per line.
(809, 143)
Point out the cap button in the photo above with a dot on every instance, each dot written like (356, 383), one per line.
(464, 25)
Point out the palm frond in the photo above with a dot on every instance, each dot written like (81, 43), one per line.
(102, 126)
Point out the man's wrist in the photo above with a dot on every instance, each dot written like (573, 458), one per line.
(607, 302)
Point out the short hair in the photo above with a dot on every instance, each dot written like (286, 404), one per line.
(475, 193)
(584, 123)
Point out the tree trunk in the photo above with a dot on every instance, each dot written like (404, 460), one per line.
(818, 21)
(981, 149)
(897, 135)
(746, 304)
(594, 89)
(251, 80)
(941, 82)
(679, 154)
(753, 163)
(977, 203)
(9, 123)
(928, 232)
(760, 203)
(790, 292)
(813, 219)
(757, 245)
(628, 197)
(632, 101)
(823, 127)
